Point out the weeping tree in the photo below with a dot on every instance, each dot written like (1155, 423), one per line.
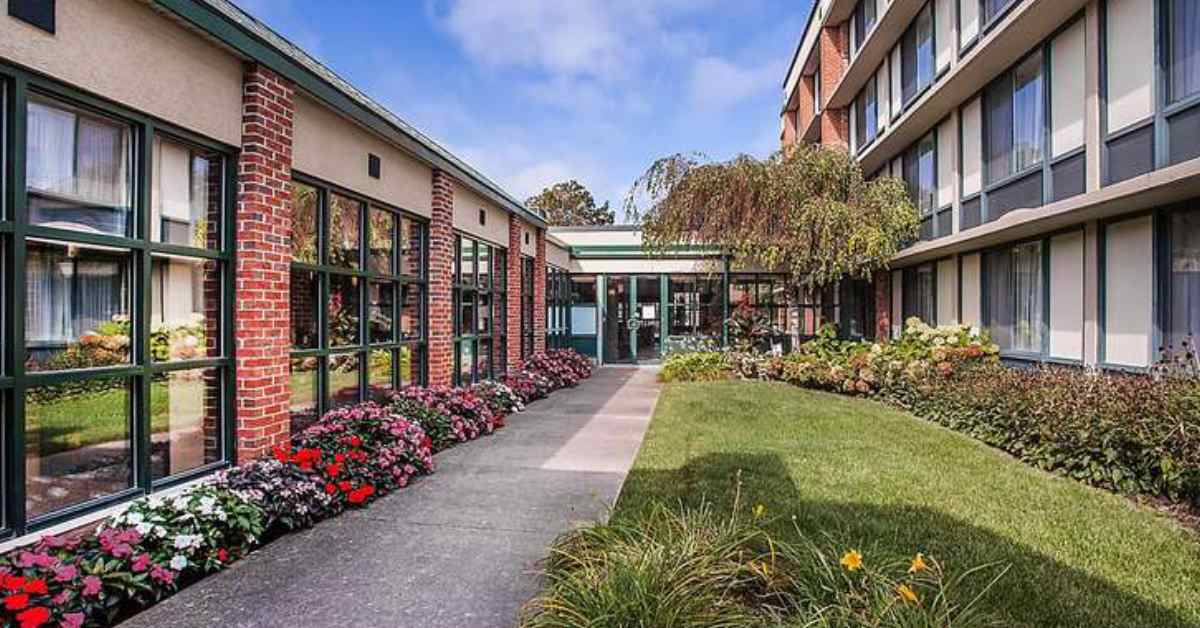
(807, 212)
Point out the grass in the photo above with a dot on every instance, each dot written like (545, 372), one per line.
(891, 485)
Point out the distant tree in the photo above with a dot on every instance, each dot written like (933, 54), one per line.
(807, 212)
(569, 204)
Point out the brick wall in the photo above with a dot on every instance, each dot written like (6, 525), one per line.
(515, 230)
(539, 293)
(441, 299)
(263, 256)
(835, 123)
(882, 283)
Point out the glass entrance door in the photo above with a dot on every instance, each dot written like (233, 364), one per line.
(632, 319)
(618, 341)
(647, 308)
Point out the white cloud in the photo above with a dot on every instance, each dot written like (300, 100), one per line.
(718, 84)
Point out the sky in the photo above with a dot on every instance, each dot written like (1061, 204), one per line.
(532, 92)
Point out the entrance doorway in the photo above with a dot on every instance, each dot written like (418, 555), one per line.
(633, 319)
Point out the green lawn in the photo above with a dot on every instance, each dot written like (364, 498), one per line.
(891, 485)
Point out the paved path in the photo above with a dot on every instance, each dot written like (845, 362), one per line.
(461, 547)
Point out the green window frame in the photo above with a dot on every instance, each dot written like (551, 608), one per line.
(91, 357)
(527, 305)
(480, 298)
(367, 263)
(558, 306)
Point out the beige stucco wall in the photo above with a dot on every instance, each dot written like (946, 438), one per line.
(331, 147)
(528, 243)
(599, 237)
(649, 266)
(947, 291)
(1066, 295)
(556, 255)
(972, 290)
(466, 217)
(126, 52)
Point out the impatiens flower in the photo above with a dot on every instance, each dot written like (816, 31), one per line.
(330, 488)
(34, 617)
(92, 586)
(918, 563)
(333, 470)
(13, 583)
(36, 587)
(222, 555)
(852, 560)
(72, 620)
(62, 597)
(907, 594)
(179, 562)
(344, 486)
(159, 574)
(141, 563)
(66, 573)
(16, 602)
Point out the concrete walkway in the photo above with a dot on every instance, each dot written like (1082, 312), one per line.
(459, 548)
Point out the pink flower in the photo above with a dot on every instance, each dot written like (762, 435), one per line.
(160, 574)
(141, 563)
(72, 620)
(61, 598)
(92, 586)
(66, 573)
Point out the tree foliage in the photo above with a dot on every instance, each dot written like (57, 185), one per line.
(807, 212)
(568, 203)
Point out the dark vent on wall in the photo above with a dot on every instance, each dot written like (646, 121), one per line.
(1068, 177)
(1184, 135)
(1023, 193)
(969, 216)
(374, 166)
(39, 13)
(1131, 154)
(526, 237)
(482, 217)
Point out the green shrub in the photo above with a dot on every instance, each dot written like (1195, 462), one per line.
(705, 366)
(690, 569)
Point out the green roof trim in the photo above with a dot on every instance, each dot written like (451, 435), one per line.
(634, 251)
(253, 39)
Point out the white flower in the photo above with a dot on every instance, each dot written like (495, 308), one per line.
(179, 562)
(180, 503)
(974, 331)
(144, 529)
(134, 518)
(160, 531)
(184, 541)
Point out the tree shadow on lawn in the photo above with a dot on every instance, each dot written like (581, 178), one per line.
(1038, 590)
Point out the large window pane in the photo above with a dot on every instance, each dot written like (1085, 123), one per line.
(1028, 128)
(466, 361)
(76, 307)
(78, 170)
(185, 421)
(411, 243)
(483, 322)
(998, 125)
(466, 261)
(1184, 324)
(77, 443)
(305, 393)
(410, 365)
(343, 380)
(305, 224)
(185, 198)
(343, 310)
(345, 233)
(484, 266)
(411, 327)
(185, 294)
(924, 41)
(381, 312)
(1015, 304)
(382, 250)
(379, 375)
(1184, 49)
(304, 297)
(466, 314)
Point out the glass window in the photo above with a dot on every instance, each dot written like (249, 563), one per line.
(694, 306)
(185, 199)
(78, 169)
(345, 233)
(916, 56)
(77, 301)
(993, 8)
(1014, 120)
(382, 248)
(866, 114)
(1183, 50)
(864, 21)
(185, 426)
(305, 392)
(1015, 303)
(918, 296)
(1183, 324)
(304, 296)
(920, 174)
(411, 233)
(305, 205)
(343, 379)
(411, 327)
(381, 312)
(343, 310)
(379, 375)
(185, 296)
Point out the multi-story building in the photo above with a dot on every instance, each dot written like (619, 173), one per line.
(1051, 148)
(209, 237)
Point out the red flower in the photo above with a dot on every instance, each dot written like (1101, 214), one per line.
(344, 486)
(333, 470)
(13, 583)
(330, 488)
(222, 555)
(355, 441)
(281, 453)
(16, 602)
(34, 617)
(36, 587)
(339, 458)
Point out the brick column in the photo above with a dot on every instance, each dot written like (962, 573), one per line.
(264, 223)
(835, 123)
(515, 231)
(539, 293)
(441, 276)
(882, 282)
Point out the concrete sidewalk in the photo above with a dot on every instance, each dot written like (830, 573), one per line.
(459, 548)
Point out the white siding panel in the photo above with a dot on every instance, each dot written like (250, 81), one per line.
(947, 292)
(971, 290)
(897, 309)
(968, 21)
(972, 147)
(943, 20)
(1066, 296)
(894, 68)
(1067, 90)
(1130, 62)
(1128, 290)
(947, 145)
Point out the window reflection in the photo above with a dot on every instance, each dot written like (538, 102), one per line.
(185, 198)
(185, 430)
(184, 297)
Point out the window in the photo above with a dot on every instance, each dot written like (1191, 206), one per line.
(920, 176)
(1014, 120)
(866, 115)
(1183, 284)
(558, 301)
(122, 324)
(991, 9)
(1015, 298)
(1183, 49)
(916, 56)
(864, 21)
(766, 294)
(817, 90)
(527, 345)
(919, 296)
(357, 301)
(695, 307)
(480, 337)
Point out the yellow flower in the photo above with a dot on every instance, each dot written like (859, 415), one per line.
(852, 560)
(759, 511)
(918, 564)
(907, 594)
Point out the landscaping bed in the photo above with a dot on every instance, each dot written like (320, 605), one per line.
(349, 458)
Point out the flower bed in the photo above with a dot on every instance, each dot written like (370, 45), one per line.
(1132, 434)
(347, 459)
